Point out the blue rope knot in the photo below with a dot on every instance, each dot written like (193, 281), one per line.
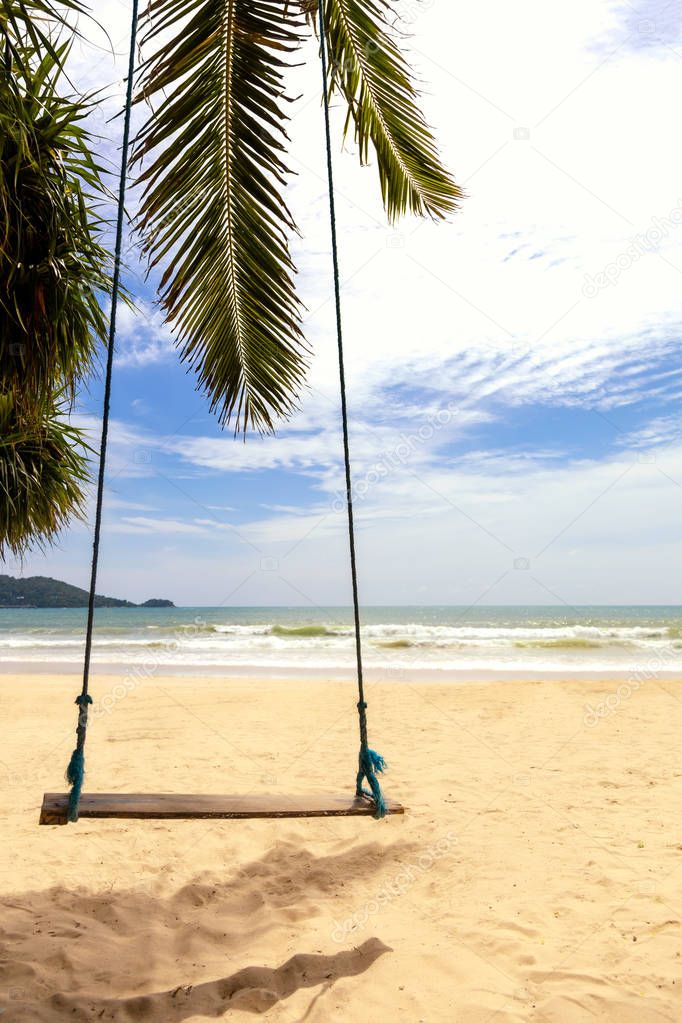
(370, 764)
(83, 702)
(75, 773)
(361, 705)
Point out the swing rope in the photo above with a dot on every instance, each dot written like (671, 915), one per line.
(76, 770)
(370, 763)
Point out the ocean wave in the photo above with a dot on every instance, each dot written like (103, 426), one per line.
(268, 639)
(386, 637)
(303, 631)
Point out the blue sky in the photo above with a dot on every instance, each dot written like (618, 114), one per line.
(514, 376)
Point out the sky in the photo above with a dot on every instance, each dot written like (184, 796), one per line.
(514, 378)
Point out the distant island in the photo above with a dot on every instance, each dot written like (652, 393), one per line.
(41, 591)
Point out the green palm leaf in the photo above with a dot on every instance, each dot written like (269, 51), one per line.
(366, 66)
(212, 204)
(43, 472)
(34, 22)
(53, 268)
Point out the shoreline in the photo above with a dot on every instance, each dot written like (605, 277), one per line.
(436, 676)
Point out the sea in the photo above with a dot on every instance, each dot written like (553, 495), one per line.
(409, 643)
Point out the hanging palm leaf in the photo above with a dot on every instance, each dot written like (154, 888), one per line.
(213, 172)
(212, 203)
(368, 69)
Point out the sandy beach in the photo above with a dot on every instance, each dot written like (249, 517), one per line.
(535, 877)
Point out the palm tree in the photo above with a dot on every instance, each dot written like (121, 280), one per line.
(53, 270)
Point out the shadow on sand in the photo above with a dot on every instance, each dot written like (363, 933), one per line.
(253, 989)
(74, 954)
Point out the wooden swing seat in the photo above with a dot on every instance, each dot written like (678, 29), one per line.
(176, 806)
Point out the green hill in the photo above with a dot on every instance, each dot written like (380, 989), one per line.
(41, 591)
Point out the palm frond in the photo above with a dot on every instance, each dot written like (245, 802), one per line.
(43, 472)
(20, 15)
(35, 22)
(212, 207)
(366, 66)
(53, 267)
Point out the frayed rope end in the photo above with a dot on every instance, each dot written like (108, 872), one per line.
(371, 764)
(377, 761)
(75, 774)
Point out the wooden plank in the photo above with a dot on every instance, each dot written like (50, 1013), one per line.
(176, 806)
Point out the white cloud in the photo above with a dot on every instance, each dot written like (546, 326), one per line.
(591, 531)
(662, 431)
(653, 27)
(148, 526)
(142, 337)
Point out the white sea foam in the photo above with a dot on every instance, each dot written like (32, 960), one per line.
(497, 641)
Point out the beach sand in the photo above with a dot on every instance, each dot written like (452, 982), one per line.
(536, 876)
